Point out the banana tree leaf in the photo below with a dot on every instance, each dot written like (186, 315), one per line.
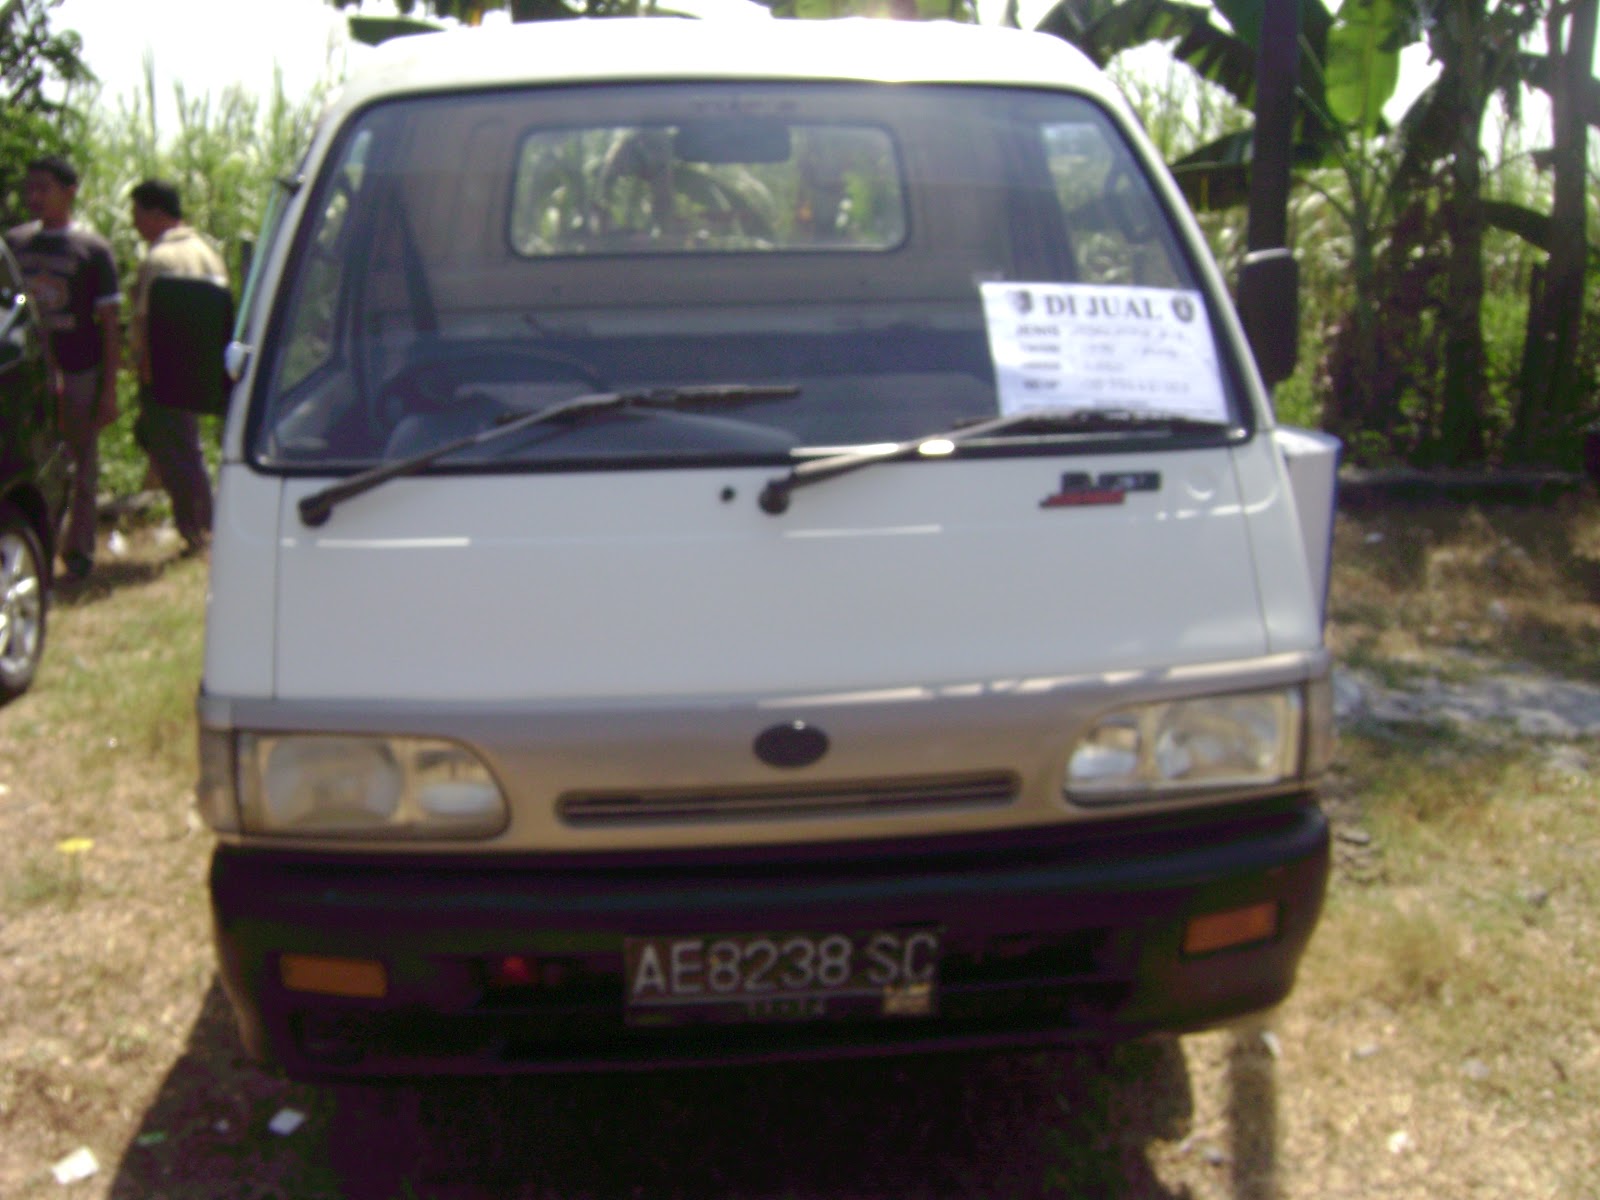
(1103, 29)
(374, 31)
(1216, 176)
(1238, 147)
(1214, 187)
(1531, 226)
(1232, 65)
(1425, 132)
(1362, 65)
(1220, 58)
(523, 11)
(1227, 58)
(1231, 149)
(1232, 62)
(1245, 17)
(963, 11)
(719, 196)
(1537, 71)
(791, 8)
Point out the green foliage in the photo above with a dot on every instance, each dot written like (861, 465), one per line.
(1399, 248)
(415, 15)
(1297, 400)
(587, 190)
(40, 71)
(1181, 112)
(1178, 110)
(1363, 62)
(25, 136)
(1224, 54)
(223, 155)
(1399, 339)
(1504, 321)
(33, 58)
(905, 10)
(374, 31)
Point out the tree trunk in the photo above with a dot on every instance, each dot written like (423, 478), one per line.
(1461, 307)
(1363, 401)
(1550, 397)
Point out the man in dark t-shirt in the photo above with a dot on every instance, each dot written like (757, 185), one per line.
(73, 277)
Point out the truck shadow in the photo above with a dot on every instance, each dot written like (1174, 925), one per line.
(1072, 1123)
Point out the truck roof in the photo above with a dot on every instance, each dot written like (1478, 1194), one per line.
(664, 49)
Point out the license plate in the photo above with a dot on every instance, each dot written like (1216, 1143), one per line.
(781, 976)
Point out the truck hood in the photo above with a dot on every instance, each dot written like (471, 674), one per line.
(637, 584)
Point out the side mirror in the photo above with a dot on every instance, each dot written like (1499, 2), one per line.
(1269, 306)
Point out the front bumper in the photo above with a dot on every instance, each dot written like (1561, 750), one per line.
(1048, 935)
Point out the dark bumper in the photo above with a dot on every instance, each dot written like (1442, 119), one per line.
(1048, 935)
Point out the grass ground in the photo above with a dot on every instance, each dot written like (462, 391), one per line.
(1442, 1040)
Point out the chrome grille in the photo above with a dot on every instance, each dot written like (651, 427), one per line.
(651, 808)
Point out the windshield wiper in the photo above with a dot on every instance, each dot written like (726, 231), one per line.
(314, 509)
(774, 497)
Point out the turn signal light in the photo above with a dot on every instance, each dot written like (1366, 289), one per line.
(361, 977)
(1235, 927)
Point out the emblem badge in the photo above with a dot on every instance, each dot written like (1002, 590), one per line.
(1079, 489)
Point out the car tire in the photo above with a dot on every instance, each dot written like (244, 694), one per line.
(24, 602)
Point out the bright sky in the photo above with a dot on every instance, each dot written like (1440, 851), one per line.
(207, 44)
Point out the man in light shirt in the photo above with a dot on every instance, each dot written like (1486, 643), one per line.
(168, 434)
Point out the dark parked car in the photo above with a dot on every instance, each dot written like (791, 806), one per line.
(35, 474)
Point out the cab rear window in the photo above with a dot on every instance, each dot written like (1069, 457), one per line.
(727, 183)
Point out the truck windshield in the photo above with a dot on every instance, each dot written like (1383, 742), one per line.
(902, 255)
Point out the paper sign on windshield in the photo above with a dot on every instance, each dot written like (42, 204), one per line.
(1077, 345)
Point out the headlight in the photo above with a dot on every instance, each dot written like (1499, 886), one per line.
(365, 787)
(215, 794)
(1153, 750)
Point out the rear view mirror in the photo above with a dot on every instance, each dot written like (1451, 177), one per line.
(728, 140)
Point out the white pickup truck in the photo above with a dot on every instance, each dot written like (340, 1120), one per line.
(751, 540)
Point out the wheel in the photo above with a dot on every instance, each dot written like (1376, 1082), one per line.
(23, 603)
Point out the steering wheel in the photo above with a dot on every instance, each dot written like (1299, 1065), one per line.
(431, 383)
